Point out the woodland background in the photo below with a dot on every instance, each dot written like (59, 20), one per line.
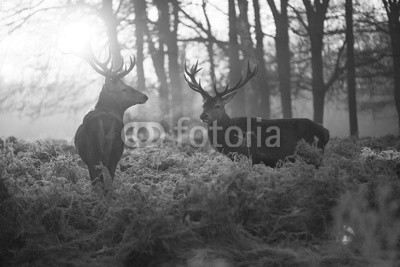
(314, 60)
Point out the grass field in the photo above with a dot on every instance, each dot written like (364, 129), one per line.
(178, 206)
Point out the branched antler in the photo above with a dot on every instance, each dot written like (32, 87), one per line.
(193, 84)
(196, 86)
(242, 82)
(102, 67)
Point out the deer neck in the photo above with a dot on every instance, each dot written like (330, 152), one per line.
(107, 102)
(224, 121)
(219, 132)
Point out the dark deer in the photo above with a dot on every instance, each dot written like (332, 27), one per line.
(98, 139)
(266, 141)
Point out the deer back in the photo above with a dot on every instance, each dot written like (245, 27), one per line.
(267, 141)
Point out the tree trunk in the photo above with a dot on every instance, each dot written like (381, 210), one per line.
(140, 21)
(111, 26)
(393, 13)
(238, 104)
(175, 73)
(351, 70)
(158, 58)
(396, 70)
(264, 108)
(283, 55)
(209, 43)
(318, 105)
(250, 93)
(318, 86)
(316, 16)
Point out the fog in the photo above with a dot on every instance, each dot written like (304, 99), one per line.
(64, 126)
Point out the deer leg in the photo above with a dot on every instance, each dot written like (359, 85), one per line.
(94, 164)
(95, 173)
(115, 156)
(111, 168)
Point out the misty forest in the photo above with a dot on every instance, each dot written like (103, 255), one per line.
(199, 133)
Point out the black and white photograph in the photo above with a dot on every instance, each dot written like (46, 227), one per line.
(200, 133)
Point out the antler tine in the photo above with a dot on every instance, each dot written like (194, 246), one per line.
(90, 58)
(121, 66)
(193, 84)
(132, 63)
(249, 74)
(215, 89)
(104, 65)
(96, 68)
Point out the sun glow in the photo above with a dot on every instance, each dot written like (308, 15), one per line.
(74, 37)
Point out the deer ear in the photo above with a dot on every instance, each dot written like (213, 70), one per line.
(228, 98)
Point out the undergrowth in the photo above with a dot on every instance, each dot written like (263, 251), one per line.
(177, 206)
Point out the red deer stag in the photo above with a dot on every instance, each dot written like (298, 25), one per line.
(98, 139)
(266, 141)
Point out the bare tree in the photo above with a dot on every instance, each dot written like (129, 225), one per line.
(175, 72)
(264, 107)
(158, 58)
(316, 17)
(168, 30)
(283, 54)
(239, 103)
(200, 29)
(140, 23)
(393, 13)
(209, 43)
(251, 97)
(351, 70)
(111, 23)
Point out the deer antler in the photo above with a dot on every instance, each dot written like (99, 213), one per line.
(193, 84)
(132, 63)
(196, 86)
(249, 74)
(102, 67)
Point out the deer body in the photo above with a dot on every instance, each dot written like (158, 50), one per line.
(266, 141)
(98, 139)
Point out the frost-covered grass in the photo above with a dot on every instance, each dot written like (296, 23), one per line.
(175, 206)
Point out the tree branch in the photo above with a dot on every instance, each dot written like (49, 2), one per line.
(210, 38)
(274, 10)
(300, 18)
(338, 70)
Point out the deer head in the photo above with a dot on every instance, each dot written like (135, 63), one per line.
(115, 92)
(214, 106)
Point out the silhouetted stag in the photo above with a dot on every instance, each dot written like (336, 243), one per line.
(98, 139)
(262, 140)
